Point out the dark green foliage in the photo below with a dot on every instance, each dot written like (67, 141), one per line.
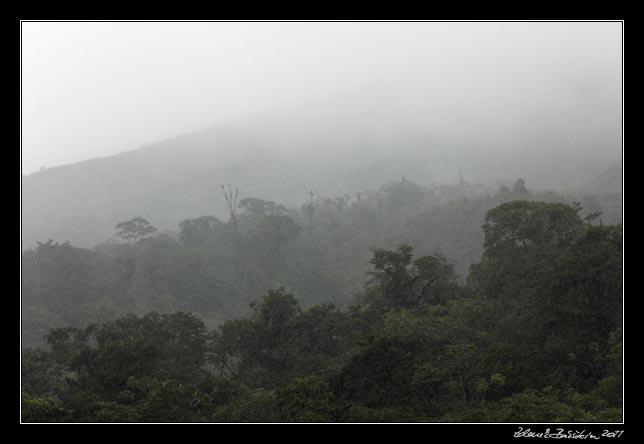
(275, 310)
(257, 407)
(41, 374)
(400, 282)
(307, 399)
(361, 414)
(533, 335)
(540, 406)
(42, 410)
(279, 342)
(380, 374)
(113, 365)
(556, 281)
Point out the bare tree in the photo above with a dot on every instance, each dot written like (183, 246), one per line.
(310, 206)
(231, 202)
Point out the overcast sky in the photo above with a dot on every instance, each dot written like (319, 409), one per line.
(96, 89)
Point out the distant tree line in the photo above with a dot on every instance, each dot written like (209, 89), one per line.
(216, 268)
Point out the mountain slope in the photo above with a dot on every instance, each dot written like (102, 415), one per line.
(280, 157)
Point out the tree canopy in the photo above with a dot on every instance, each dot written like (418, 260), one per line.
(242, 320)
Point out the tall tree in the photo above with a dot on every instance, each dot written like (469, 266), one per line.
(134, 229)
(231, 202)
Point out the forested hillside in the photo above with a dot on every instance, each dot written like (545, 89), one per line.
(216, 266)
(279, 159)
(323, 221)
(533, 334)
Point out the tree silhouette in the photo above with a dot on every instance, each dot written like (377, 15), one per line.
(231, 202)
(310, 206)
(134, 229)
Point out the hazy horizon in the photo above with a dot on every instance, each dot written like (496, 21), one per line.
(97, 89)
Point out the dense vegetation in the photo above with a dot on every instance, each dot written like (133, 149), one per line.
(319, 252)
(267, 317)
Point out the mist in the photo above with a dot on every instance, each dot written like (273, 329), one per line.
(500, 91)
(321, 222)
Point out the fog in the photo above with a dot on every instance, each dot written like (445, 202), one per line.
(322, 222)
(150, 118)
(474, 95)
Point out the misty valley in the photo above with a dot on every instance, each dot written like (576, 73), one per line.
(323, 221)
(404, 304)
